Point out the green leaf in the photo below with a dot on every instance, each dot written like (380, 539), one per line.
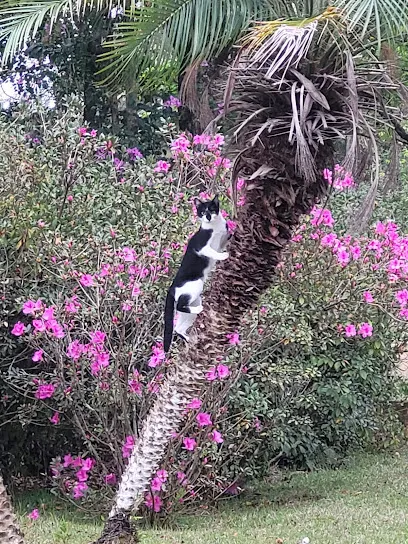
(177, 33)
(386, 18)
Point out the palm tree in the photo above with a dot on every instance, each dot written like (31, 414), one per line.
(9, 532)
(302, 76)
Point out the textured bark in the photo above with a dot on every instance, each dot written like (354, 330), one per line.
(274, 205)
(9, 530)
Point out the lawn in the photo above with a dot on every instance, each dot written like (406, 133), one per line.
(364, 502)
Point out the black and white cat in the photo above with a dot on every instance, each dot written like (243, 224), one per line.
(205, 248)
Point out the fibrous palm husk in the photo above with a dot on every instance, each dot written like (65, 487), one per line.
(9, 529)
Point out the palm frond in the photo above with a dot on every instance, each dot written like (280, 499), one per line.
(181, 32)
(386, 19)
(20, 20)
(283, 44)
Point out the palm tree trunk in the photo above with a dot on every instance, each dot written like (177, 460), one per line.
(275, 202)
(9, 531)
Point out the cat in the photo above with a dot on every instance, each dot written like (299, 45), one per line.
(203, 250)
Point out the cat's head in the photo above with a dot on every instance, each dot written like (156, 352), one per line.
(207, 211)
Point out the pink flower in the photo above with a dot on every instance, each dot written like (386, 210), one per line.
(350, 330)
(201, 139)
(154, 503)
(39, 325)
(162, 166)
(321, 217)
(88, 464)
(57, 329)
(212, 374)
(402, 297)
(55, 419)
(18, 329)
(223, 371)
(82, 131)
(355, 252)
(381, 229)
(128, 446)
(216, 142)
(75, 350)
(231, 225)
(181, 476)
(368, 297)
(97, 337)
(136, 290)
(86, 280)
(77, 462)
(110, 479)
(157, 357)
(162, 475)
(233, 338)
(134, 153)
(156, 484)
(343, 256)
(129, 254)
(172, 102)
(328, 240)
(135, 386)
(240, 184)
(72, 305)
(34, 515)
(45, 391)
(180, 145)
(189, 443)
(79, 490)
(194, 404)
(203, 419)
(365, 330)
(30, 307)
(68, 460)
(216, 437)
(404, 313)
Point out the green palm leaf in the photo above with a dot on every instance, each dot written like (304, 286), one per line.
(20, 20)
(181, 32)
(387, 19)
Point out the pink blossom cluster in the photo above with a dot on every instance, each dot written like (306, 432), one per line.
(364, 330)
(43, 320)
(172, 102)
(203, 152)
(158, 356)
(75, 472)
(339, 178)
(387, 251)
(94, 351)
(220, 371)
(128, 446)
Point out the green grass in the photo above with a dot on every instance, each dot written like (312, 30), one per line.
(365, 502)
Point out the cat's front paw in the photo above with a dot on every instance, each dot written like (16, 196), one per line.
(223, 256)
(198, 309)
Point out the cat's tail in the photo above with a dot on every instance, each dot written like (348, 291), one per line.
(168, 321)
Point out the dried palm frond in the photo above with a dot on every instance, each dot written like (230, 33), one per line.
(317, 85)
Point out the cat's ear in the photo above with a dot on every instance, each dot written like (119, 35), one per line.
(216, 201)
(197, 202)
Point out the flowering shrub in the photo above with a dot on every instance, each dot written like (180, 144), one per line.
(307, 377)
